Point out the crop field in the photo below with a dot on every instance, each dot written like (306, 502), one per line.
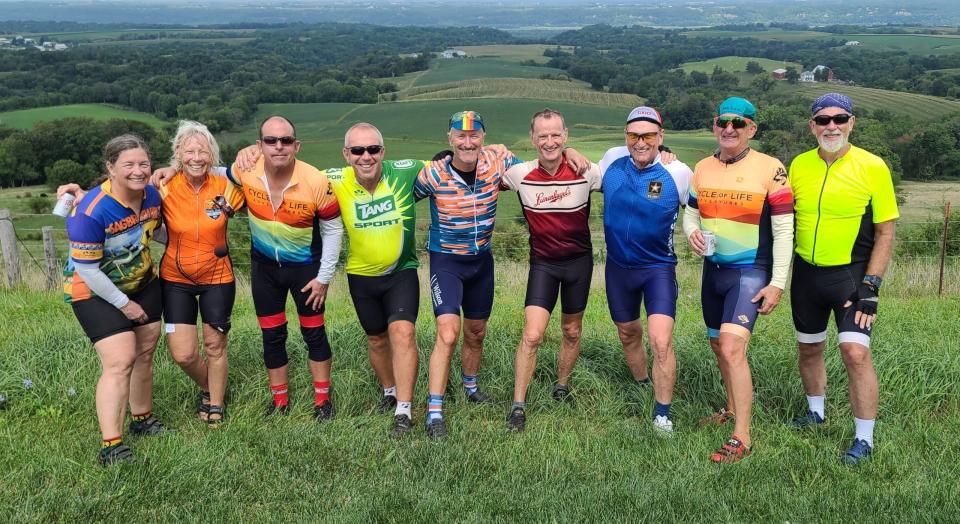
(769, 34)
(104, 36)
(457, 69)
(513, 53)
(736, 64)
(919, 44)
(917, 106)
(26, 118)
(517, 88)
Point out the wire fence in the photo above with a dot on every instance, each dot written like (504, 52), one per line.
(928, 233)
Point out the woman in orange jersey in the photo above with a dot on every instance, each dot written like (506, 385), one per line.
(196, 271)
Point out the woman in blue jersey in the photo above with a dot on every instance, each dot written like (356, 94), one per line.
(112, 287)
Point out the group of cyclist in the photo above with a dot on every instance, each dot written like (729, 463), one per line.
(740, 207)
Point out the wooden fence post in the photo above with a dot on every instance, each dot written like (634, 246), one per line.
(943, 248)
(8, 243)
(50, 254)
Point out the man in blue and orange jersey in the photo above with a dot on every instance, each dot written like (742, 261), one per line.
(295, 235)
(463, 204)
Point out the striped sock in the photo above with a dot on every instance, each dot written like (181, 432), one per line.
(470, 384)
(321, 391)
(108, 442)
(142, 417)
(404, 408)
(434, 408)
(279, 392)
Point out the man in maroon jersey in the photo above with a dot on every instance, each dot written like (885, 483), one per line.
(556, 205)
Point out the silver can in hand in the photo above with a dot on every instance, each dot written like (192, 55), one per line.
(64, 205)
(709, 243)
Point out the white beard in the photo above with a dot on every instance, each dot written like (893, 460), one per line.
(832, 146)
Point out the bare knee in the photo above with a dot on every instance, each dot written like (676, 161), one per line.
(215, 349)
(474, 334)
(731, 354)
(402, 331)
(532, 339)
(662, 346)
(855, 355)
(814, 350)
(629, 333)
(378, 343)
(447, 336)
(572, 333)
(184, 358)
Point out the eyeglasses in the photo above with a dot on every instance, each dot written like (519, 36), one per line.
(824, 120)
(272, 140)
(738, 123)
(647, 137)
(358, 150)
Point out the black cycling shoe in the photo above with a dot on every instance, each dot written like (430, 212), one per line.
(437, 430)
(273, 409)
(118, 454)
(517, 420)
(562, 394)
(149, 427)
(479, 397)
(387, 404)
(324, 411)
(401, 426)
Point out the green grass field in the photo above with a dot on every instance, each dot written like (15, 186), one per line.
(513, 53)
(918, 44)
(768, 34)
(599, 460)
(456, 69)
(520, 88)
(26, 118)
(736, 64)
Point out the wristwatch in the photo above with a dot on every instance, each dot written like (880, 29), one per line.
(873, 280)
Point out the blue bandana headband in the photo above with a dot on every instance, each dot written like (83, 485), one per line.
(832, 100)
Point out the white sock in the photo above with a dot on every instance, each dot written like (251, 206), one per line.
(816, 404)
(864, 429)
(403, 408)
(390, 391)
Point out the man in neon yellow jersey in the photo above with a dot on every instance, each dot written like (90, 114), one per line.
(846, 212)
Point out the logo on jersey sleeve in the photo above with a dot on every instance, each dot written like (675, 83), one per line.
(654, 189)
(403, 164)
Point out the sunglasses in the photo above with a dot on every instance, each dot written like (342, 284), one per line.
(738, 123)
(647, 137)
(824, 120)
(359, 150)
(272, 140)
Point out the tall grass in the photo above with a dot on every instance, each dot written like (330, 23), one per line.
(597, 460)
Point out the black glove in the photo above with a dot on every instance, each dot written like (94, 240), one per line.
(865, 298)
(441, 155)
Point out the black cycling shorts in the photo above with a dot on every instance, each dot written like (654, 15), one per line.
(570, 279)
(100, 319)
(383, 299)
(214, 302)
(817, 291)
(270, 283)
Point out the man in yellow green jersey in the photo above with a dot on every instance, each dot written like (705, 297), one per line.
(845, 215)
(377, 207)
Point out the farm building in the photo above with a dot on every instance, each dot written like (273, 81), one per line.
(852, 42)
(779, 74)
(452, 53)
(807, 76)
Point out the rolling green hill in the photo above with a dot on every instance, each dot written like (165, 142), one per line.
(517, 53)
(917, 106)
(26, 118)
(735, 64)
(507, 88)
(456, 69)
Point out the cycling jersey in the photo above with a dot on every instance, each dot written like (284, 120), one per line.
(557, 207)
(104, 231)
(640, 208)
(462, 216)
(837, 205)
(380, 226)
(290, 234)
(197, 230)
(736, 201)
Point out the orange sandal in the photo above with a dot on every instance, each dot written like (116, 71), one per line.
(732, 451)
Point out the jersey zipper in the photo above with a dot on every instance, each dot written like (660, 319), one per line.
(816, 227)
